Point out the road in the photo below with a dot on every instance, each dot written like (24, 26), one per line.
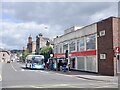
(14, 75)
(0, 75)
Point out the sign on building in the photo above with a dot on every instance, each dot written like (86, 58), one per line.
(102, 56)
(102, 33)
(117, 49)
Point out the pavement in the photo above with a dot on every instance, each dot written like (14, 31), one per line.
(89, 76)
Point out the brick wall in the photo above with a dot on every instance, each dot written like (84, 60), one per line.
(105, 46)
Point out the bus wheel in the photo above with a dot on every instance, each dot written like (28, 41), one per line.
(30, 66)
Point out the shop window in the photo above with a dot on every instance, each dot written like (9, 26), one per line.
(65, 47)
(56, 49)
(60, 48)
(82, 45)
(91, 63)
(77, 45)
(72, 46)
(81, 63)
(91, 42)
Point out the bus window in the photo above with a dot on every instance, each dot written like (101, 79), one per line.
(35, 61)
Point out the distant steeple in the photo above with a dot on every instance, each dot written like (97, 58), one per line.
(30, 39)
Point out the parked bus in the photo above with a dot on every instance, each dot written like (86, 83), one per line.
(35, 62)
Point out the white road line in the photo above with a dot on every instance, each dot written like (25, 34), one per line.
(13, 68)
(21, 65)
(39, 71)
(44, 71)
(22, 70)
(51, 86)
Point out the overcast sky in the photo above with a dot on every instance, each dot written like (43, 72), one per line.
(19, 20)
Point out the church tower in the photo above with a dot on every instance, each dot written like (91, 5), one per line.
(29, 44)
(30, 39)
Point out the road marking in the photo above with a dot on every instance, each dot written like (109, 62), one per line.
(40, 71)
(44, 71)
(13, 68)
(22, 70)
(21, 65)
(51, 86)
(64, 75)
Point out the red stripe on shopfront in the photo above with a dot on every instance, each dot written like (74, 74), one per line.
(83, 53)
(59, 55)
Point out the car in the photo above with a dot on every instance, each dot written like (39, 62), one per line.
(8, 61)
(18, 60)
(11, 60)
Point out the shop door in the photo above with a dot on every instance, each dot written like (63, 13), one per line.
(72, 62)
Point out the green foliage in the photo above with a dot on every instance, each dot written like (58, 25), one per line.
(25, 54)
(46, 51)
(18, 54)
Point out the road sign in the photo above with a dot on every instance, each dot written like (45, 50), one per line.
(117, 49)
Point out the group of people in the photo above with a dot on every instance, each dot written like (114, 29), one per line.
(62, 66)
(58, 65)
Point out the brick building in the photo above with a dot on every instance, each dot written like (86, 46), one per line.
(31, 45)
(93, 48)
(41, 42)
(5, 55)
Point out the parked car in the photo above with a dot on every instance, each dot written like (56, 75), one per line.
(18, 60)
(8, 61)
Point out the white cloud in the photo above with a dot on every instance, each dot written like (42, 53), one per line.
(111, 11)
(10, 11)
(51, 19)
(15, 34)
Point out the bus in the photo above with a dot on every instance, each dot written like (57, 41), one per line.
(35, 62)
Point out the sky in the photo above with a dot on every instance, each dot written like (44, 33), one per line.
(21, 19)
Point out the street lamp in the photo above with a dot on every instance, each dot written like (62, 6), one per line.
(51, 55)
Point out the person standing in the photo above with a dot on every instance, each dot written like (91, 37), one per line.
(64, 66)
(68, 67)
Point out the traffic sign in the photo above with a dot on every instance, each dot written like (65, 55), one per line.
(117, 49)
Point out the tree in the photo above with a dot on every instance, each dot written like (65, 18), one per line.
(46, 51)
(25, 54)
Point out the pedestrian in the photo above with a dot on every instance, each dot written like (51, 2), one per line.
(64, 66)
(61, 68)
(47, 66)
(69, 67)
